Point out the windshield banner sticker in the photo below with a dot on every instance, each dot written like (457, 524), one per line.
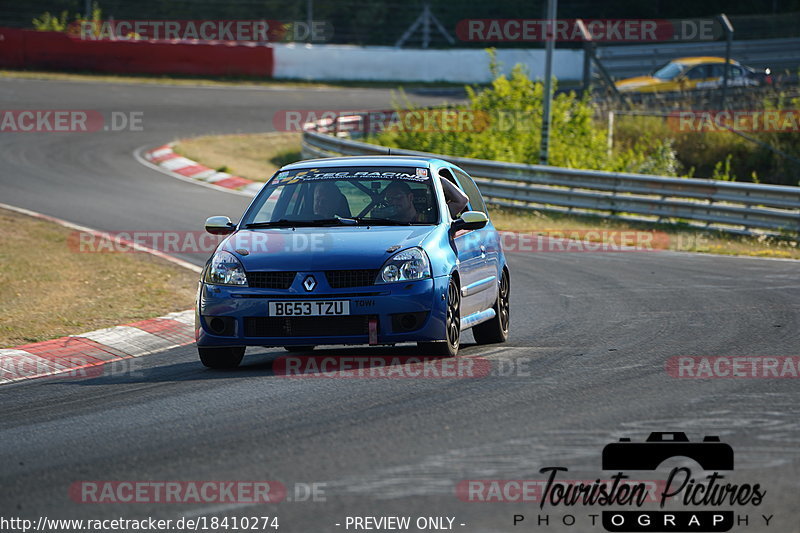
(314, 174)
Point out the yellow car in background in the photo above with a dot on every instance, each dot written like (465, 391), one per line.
(689, 73)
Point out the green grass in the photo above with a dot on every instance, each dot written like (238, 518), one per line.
(72, 292)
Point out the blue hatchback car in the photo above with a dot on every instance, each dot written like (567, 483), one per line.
(355, 250)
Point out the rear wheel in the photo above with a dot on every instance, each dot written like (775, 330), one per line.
(448, 347)
(221, 357)
(496, 329)
(295, 349)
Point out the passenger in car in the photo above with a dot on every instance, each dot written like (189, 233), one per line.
(329, 201)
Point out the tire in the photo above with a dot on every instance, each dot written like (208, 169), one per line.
(496, 329)
(296, 349)
(221, 357)
(449, 346)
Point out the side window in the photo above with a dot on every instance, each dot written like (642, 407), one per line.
(736, 72)
(468, 186)
(716, 70)
(446, 174)
(697, 73)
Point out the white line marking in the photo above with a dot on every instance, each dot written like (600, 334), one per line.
(184, 317)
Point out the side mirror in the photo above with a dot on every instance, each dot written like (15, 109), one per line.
(219, 225)
(469, 220)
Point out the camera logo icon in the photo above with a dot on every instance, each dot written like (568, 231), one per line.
(710, 454)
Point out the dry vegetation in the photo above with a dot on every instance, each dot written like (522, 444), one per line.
(49, 290)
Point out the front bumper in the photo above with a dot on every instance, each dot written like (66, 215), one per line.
(243, 315)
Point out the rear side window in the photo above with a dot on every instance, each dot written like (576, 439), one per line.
(476, 202)
(698, 73)
(716, 70)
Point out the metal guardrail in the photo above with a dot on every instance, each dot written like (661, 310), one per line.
(624, 61)
(727, 206)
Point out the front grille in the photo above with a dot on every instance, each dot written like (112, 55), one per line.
(306, 326)
(341, 279)
(270, 280)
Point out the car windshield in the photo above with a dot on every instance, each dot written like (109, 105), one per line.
(669, 71)
(333, 196)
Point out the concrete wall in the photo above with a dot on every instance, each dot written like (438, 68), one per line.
(342, 62)
(58, 51)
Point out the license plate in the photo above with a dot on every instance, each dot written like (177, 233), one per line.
(310, 308)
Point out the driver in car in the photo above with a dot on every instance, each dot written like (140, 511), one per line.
(401, 199)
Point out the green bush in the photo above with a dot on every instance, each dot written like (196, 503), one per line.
(722, 154)
(507, 127)
(48, 22)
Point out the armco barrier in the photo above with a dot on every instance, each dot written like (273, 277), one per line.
(59, 51)
(623, 61)
(728, 206)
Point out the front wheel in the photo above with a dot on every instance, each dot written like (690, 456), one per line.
(496, 329)
(221, 357)
(448, 347)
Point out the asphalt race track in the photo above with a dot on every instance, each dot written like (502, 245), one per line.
(585, 365)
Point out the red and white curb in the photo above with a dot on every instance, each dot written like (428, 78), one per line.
(166, 160)
(83, 355)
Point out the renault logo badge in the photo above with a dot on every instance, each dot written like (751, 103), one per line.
(309, 283)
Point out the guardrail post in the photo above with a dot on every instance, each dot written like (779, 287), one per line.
(548, 81)
(728, 27)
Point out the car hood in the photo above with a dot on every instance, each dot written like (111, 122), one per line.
(309, 249)
(639, 81)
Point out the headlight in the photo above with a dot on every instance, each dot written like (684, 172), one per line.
(407, 265)
(225, 269)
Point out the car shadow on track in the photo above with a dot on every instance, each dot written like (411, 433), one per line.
(263, 362)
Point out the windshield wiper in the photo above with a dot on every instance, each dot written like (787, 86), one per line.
(381, 221)
(340, 220)
(282, 223)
